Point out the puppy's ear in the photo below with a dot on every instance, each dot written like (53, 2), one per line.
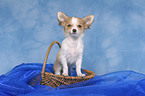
(61, 18)
(88, 21)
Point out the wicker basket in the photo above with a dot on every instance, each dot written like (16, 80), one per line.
(53, 80)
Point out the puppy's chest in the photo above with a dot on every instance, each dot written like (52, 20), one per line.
(72, 53)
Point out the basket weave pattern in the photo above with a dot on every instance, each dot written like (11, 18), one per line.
(53, 80)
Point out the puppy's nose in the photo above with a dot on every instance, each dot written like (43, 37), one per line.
(74, 30)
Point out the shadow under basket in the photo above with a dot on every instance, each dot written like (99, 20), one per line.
(53, 80)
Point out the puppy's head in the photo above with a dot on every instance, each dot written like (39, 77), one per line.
(74, 27)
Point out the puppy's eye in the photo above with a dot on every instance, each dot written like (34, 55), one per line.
(79, 26)
(68, 25)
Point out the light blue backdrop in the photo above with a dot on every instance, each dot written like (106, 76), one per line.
(116, 40)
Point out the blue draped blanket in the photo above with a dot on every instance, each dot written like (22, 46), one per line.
(24, 80)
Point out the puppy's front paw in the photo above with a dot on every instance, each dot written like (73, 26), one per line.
(57, 73)
(81, 75)
(65, 74)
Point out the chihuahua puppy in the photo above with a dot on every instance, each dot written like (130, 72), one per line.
(71, 51)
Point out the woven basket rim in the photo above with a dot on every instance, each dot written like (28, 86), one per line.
(90, 74)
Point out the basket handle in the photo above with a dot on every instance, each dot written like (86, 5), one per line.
(47, 53)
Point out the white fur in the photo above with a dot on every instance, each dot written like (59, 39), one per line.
(72, 49)
(74, 22)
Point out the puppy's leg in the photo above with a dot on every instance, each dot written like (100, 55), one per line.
(78, 67)
(65, 67)
(57, 68)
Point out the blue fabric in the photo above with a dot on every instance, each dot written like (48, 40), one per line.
(23, 80)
